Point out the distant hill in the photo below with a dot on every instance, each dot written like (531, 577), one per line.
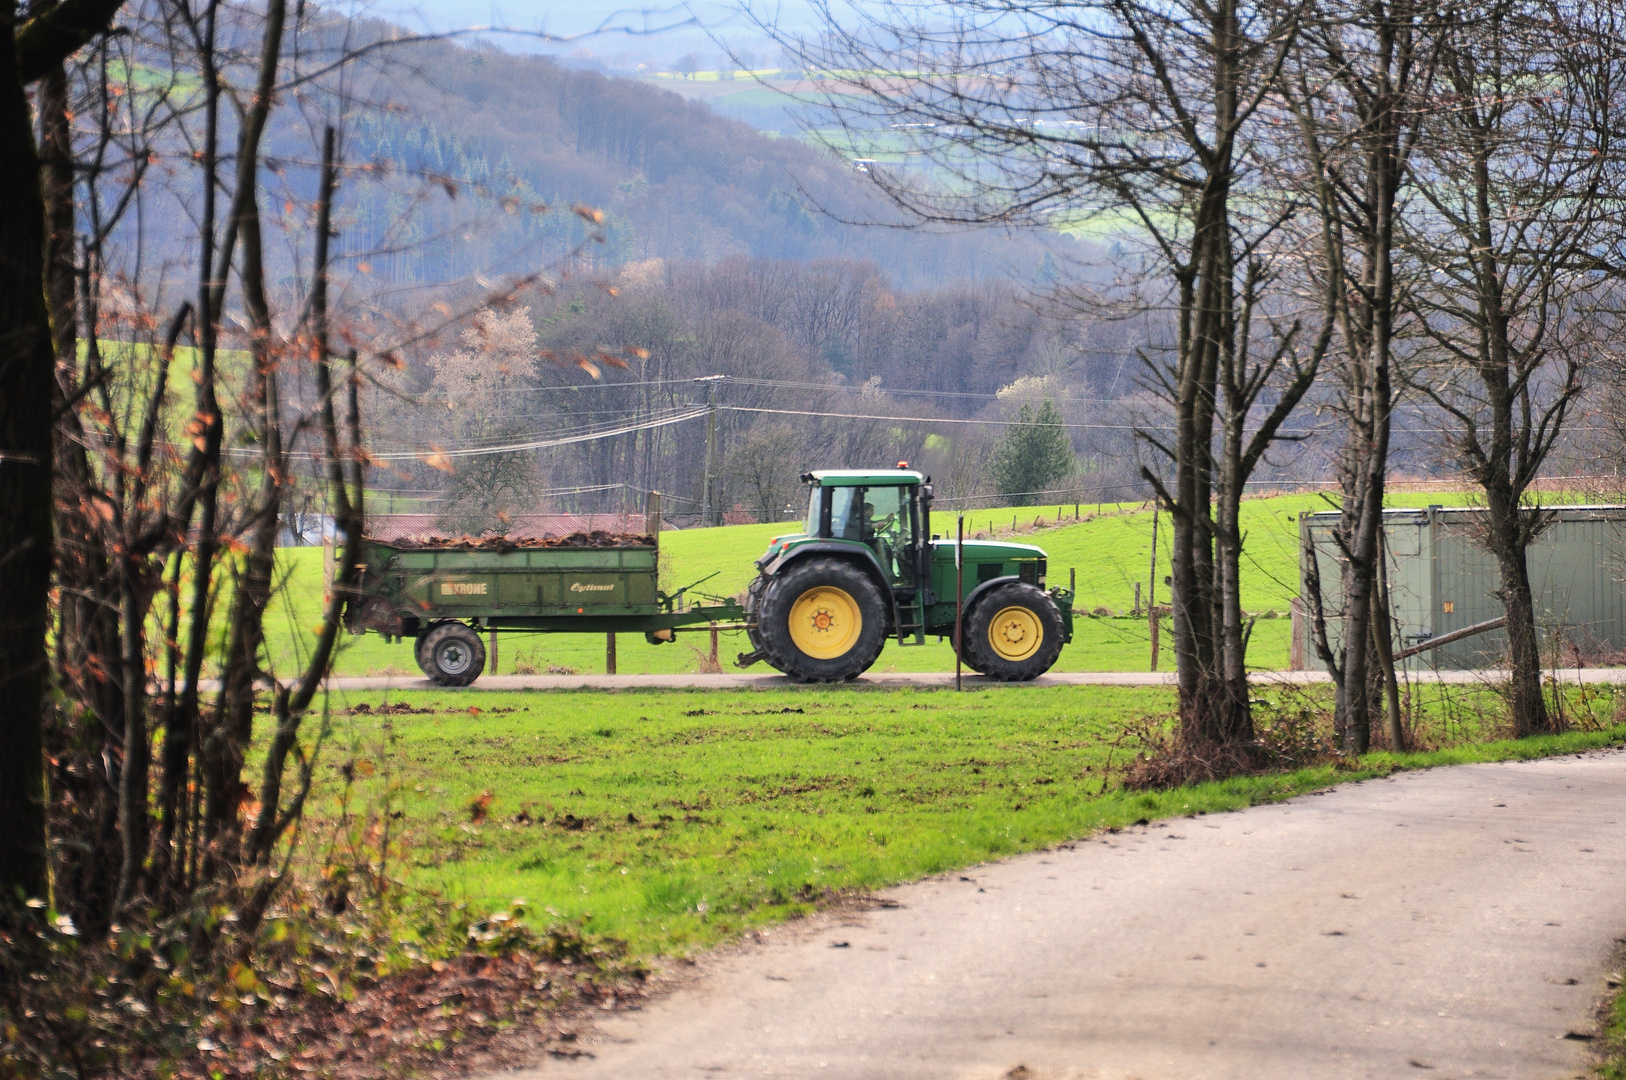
(676, 180)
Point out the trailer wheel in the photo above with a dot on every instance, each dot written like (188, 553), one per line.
(822, 620)
(418, 644)
(1014, 633)
(452, 654)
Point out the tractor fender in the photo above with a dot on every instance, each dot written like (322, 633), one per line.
(976, 594)
(861, 556)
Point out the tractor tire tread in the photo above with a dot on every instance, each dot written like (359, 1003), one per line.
(438, 634)
(774, 626)
(981, 656)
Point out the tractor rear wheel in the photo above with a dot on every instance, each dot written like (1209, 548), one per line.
(452, 654)
(822, 620)
(753, 610)
(1013, 634)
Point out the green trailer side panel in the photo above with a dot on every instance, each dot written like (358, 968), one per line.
(513, 589)
(484, 584)
(550, 590)
(1409, 541)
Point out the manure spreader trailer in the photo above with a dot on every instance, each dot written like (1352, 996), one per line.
(443, 592)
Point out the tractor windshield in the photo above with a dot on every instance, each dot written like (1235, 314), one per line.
(878, 516)
(846, 521)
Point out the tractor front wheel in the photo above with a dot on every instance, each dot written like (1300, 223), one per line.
(822, 620)
(1013, 634)
(451, 654)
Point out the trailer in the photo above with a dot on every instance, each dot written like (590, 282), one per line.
(442, 592)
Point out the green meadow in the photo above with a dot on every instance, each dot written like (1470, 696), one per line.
(676, 818)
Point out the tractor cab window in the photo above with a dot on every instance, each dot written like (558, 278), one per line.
(889, 529)
(878, 516)
(886, 515)
(846, 513)
(815, 510)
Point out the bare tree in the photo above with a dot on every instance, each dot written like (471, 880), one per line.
(147, 525)
(1519, 181)
(479, 383)
(38, 46)
(1142, 116)
(1358, 85)
(764, 469)
(959, 464)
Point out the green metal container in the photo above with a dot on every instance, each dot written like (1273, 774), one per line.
(1442, 579)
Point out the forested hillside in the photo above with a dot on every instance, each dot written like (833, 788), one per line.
(825, 364)
(675, 180)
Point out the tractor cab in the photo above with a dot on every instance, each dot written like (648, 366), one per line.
(885, 511)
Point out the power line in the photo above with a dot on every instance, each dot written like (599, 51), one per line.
(543, 444)
(949, 420)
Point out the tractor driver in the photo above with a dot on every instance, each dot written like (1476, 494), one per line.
(886, 528)
(883, 535)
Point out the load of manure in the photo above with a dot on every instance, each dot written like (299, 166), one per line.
(595, 539)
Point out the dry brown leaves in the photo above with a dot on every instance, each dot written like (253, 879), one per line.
(470, 1014)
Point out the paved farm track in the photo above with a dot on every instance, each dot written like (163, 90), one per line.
(750, 680)
(1451, 923)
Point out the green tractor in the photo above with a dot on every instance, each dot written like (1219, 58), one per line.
(866, 568)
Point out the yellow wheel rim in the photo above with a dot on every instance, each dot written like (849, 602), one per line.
(1015, 634)
(825, 622)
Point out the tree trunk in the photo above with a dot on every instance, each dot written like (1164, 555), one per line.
(227, 744)
(27, 363)
(1383, 646)
(1529, 707)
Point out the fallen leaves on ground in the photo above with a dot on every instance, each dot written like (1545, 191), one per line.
(468, 1014)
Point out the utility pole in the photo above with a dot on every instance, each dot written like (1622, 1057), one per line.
(959, 594)
(1151, 587)
(711, 382)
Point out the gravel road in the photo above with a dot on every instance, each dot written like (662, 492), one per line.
(1452, 923)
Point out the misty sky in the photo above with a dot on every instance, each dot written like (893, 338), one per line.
(579, 17)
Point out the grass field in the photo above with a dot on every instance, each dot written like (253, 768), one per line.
(1613, 1067)
(672, 819)
(1108, 551)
